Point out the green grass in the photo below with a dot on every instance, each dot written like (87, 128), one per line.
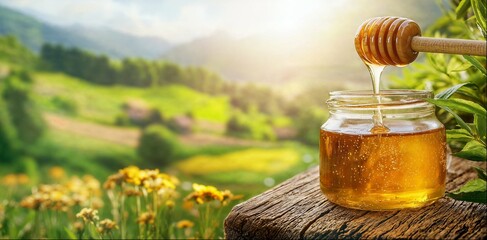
(249, 165)
(82, 155)
(247, 171)
(267, 161)
(102, 104)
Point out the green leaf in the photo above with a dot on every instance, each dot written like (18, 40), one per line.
(473, 191)
(461, 10)
(459, 120)
(459, 134)
(479, 9)
(481, 173)
(480, 125)
(474, 151)
(455, 65)
(471, 93)
(461, 105)
(450, 91)
(476, 64)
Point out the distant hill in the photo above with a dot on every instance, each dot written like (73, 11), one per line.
(33, 33)
(322, 53)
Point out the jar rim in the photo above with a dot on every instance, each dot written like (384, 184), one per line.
(366, 99)
(385, 93)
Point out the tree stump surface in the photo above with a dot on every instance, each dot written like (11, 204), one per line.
(296, 209)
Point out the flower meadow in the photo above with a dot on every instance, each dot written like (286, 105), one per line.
(132, 203)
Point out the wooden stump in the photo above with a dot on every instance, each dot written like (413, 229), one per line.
(296, 209)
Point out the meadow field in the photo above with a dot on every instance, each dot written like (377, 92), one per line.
(82, 141)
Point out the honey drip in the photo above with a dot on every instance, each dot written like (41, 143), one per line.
(375, 73)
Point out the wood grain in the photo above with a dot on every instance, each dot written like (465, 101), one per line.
(452, 46)
(296, 209)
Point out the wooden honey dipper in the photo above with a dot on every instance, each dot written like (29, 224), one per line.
(397, 41)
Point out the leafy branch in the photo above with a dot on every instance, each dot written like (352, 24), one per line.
(460, 83)
(474, 134)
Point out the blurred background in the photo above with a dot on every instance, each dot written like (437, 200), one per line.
(225, 93)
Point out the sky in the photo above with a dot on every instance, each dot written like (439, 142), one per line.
(182, 20)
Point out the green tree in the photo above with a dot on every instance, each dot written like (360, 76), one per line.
(157, 145)
(250, 125)
(13, 51)
(308, 124)
(169, 73)
(24, 115)
(8, 138)
(136, 72)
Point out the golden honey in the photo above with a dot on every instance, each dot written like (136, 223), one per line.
(383, 171)
(401, 167)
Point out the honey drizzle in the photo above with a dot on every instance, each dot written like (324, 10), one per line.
(375, 73)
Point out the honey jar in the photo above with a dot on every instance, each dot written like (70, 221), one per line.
(398, 164)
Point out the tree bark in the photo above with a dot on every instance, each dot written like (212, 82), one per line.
(296, 209)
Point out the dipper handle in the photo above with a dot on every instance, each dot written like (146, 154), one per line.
(397, 41)
(452, 46)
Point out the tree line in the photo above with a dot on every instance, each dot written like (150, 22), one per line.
(246, 98)
(136, 72)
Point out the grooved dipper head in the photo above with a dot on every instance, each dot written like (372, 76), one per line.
(387, 41)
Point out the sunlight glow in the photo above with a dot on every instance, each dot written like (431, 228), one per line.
(290, 17)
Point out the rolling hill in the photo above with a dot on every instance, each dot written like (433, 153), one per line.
(34, 33)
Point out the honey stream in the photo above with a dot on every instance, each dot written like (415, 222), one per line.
(375, 73)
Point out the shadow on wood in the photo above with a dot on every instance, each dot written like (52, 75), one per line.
(296, 209)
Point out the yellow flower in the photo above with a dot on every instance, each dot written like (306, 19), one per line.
(48, 197)
(113, 180)
(80, 199)
(184, 224)
(97, 203)
(56, 172)
(146, 218)
(155, 184)
(149, 173)
(2, 211)
(132, 174)
(228, 197)
(75, 184)
(23, 179)
(59, 201)
(106, 225)
(202, 194)
(55, 197)
(88, 215)
(170, 204)
(168, 177)
(83, 191)
(31, 202)
(15, 179)
(9, 180)
(91, 183)
(188, 205)
(130, 192)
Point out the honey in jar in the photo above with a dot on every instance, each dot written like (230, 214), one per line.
(400, 163)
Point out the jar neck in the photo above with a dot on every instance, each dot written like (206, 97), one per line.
(401, 104)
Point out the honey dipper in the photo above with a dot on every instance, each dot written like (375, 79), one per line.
(397, 41)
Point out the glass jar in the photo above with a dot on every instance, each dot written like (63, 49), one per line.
(401, 166)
